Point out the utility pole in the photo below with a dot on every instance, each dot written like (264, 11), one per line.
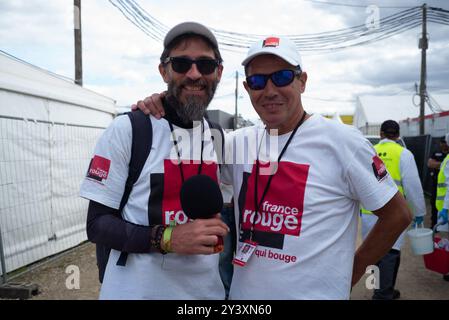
(236, 97)
(78, 44)
(423, 45)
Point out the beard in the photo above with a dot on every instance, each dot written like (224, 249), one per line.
(194, 107)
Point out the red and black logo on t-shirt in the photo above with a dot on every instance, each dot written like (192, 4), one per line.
(379, 169)
(164, 206)
(280, 212)
(99, 168)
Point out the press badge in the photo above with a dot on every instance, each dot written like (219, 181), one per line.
(244, 253)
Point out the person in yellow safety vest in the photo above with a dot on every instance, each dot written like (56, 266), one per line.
(434, 164)
(442, 199)
(401, 166)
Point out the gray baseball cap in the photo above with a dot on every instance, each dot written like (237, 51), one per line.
(190, 27)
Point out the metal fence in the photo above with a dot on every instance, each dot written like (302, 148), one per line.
(422, 148)
(41, 167)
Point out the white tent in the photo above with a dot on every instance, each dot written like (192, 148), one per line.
(372, 110)
(48, 127)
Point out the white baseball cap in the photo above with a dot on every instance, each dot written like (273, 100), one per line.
(189, 27)
(282, 47)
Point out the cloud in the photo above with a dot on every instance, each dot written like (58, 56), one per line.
(357, 12)
(120, 61)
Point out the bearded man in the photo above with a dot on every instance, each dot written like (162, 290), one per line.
(155, 253)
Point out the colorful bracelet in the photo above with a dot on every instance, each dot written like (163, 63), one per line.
(156, 237)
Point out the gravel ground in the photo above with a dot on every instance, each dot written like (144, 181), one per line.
(414, 280)
(51, 276)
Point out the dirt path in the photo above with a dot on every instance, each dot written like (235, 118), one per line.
(51, 277)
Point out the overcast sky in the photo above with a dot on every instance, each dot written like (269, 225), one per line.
(120, 61)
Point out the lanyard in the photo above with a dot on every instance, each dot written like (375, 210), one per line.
(175, 143)
(267, 186)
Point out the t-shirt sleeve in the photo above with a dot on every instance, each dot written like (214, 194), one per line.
(412, 184)
(369, 181)
(108, 169)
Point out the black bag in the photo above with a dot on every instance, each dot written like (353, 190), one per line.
(142, 140)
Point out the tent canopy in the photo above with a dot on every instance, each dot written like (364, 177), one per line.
(19, 78)
(374, 109)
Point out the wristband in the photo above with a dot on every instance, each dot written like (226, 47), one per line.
(166, 239)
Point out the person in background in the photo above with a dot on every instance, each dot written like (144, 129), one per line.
(227, 214)
(401, 166)
(434, 164)
(442, 198)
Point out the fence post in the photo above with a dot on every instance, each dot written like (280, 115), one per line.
(2, 258)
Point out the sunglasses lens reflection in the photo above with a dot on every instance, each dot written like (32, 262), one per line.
(205, 66)
(279, 78)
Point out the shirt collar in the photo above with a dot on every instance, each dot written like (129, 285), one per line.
(386, 140)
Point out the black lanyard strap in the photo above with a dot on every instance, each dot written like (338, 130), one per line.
(267, 186)
(175, 143)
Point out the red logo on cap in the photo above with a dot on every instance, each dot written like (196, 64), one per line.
(271, 42)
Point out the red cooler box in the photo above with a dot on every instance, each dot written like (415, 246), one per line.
(438, 260)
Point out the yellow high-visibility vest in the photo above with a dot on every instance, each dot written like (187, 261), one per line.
(390, 154)
(441, 187)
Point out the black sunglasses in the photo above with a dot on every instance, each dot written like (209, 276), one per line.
(182, 65)
(279, 78)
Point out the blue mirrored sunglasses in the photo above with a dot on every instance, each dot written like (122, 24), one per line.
(279, 78)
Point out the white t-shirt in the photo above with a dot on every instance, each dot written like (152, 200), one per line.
(153, 200)
(308, 223)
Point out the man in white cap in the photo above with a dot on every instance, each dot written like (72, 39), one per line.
(302, 219)
(297, 215)
(155, 253)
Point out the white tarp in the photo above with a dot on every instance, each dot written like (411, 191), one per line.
(48, 128)
(372, 110)
(18, 76)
